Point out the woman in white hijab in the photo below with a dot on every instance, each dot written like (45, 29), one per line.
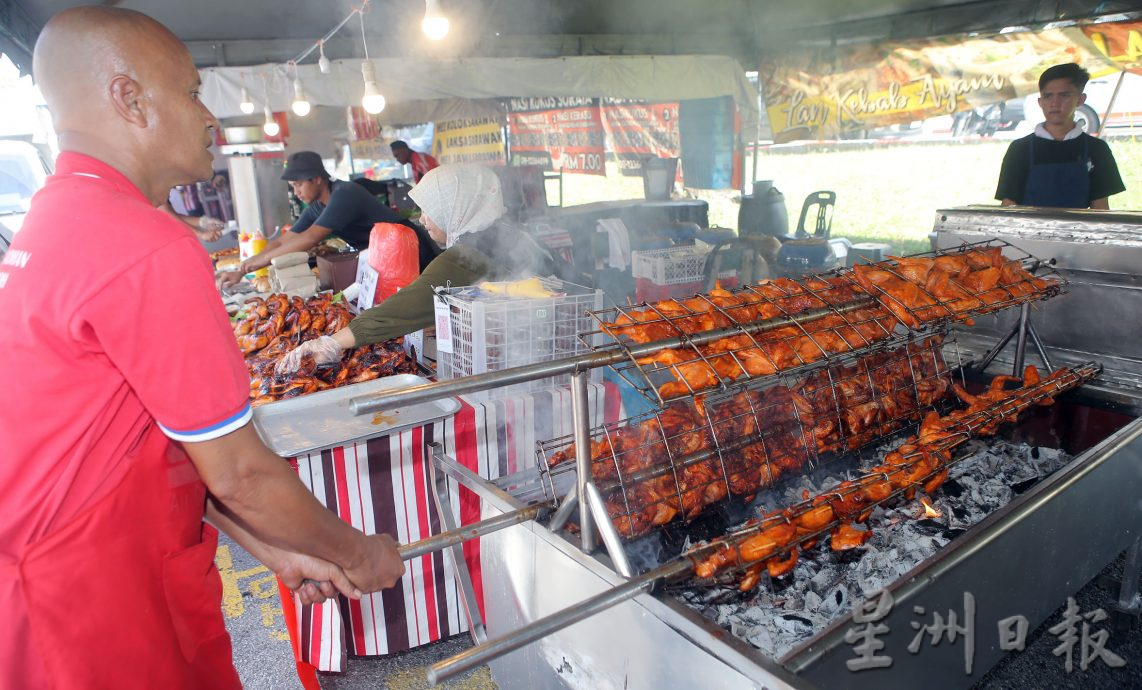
(461, 207)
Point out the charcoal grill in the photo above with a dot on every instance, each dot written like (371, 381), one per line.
(635, 633)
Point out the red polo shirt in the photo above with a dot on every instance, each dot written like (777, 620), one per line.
(421, 163)
(109, 320)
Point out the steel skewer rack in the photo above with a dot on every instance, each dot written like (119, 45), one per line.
(830, 296)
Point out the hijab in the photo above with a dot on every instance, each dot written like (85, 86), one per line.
(459, 198)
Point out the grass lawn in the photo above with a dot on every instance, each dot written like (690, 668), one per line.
(888, 192)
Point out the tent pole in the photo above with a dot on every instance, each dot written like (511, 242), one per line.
(1110, 106)
(757, 133)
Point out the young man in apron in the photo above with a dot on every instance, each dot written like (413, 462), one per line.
(1059, 165)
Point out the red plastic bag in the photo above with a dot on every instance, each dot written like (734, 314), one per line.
(394, 254)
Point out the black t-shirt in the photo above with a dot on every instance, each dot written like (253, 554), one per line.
(351, 213)
(1104, 177)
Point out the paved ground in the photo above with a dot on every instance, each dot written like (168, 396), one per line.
(262, 653)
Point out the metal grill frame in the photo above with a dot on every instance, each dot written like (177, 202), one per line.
(673, 315)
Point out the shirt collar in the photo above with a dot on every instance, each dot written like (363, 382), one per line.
(1041, 131)
(72, 163)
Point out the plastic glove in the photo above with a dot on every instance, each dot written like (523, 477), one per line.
(211, 224)
(324, 350)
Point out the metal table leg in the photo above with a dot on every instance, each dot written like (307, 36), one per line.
(463, 575)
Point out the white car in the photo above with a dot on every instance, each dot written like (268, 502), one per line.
(23, 170)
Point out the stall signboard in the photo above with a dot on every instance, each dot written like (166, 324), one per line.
(826, 92)
(563, 134)
(1119, 41)
(476, 140)
(637, 129)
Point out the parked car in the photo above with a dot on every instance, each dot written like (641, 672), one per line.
(23, 170)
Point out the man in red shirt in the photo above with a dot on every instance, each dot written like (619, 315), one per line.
(125, 417)
(420, 162)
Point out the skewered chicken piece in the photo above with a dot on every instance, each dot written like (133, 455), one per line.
(922, 462)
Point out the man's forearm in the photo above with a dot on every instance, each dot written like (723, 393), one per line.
(255, 489)
(289, 242)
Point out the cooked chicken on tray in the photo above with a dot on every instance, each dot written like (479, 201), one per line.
(274, 326)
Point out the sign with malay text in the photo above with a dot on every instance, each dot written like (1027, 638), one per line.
(1119, 41)
(637, 130)
(476, 140)
(557, 134)
(826, 92)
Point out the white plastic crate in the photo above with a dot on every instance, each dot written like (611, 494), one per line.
(493, 333)
(670, 265)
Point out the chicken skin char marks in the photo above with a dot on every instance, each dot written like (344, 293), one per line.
(762, 436)
(703, 367)
(921, 289)
(274, 326)
(920, 464)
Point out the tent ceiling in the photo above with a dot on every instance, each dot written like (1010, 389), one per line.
(224, 32)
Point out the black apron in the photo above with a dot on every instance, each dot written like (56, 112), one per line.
(1058, 185)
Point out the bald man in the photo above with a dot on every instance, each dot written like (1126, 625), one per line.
(125, 421)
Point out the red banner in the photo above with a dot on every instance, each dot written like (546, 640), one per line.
(362, 126)
(637, 130)
(557, 134)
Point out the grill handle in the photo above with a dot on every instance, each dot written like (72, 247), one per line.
(493, 649)
(443, 540)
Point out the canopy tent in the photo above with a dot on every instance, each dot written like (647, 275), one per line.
(424, 91)
(223, 32)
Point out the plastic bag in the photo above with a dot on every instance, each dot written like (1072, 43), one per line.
(394, 253)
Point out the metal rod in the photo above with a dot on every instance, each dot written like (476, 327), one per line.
(482, 654)
(607, 531)
(463, 576)
(1039, 347)
(563, 514)
(568, 365)
(443, 540)
(581, 421)
(994, 352)
(1021, 339)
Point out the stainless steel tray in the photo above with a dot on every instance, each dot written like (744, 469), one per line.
(323, 420)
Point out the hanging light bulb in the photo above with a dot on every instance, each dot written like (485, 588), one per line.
(323, 63)
(270, 127)
(373, 102)
(435, 24)
(247, 105)
(300, 103)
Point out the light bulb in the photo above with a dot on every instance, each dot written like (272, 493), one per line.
(323, 63)
(247, 105)
(435, 24)
(373, 102)
(300, 103)
(270, 127)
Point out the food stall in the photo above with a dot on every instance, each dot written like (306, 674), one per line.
(374, 470)
(796, 401)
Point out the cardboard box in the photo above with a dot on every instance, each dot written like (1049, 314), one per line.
(337, 271)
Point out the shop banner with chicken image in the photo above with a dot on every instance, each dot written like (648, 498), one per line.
(1119, 41)
(637, 130)
(831, 93)
(557, 134)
